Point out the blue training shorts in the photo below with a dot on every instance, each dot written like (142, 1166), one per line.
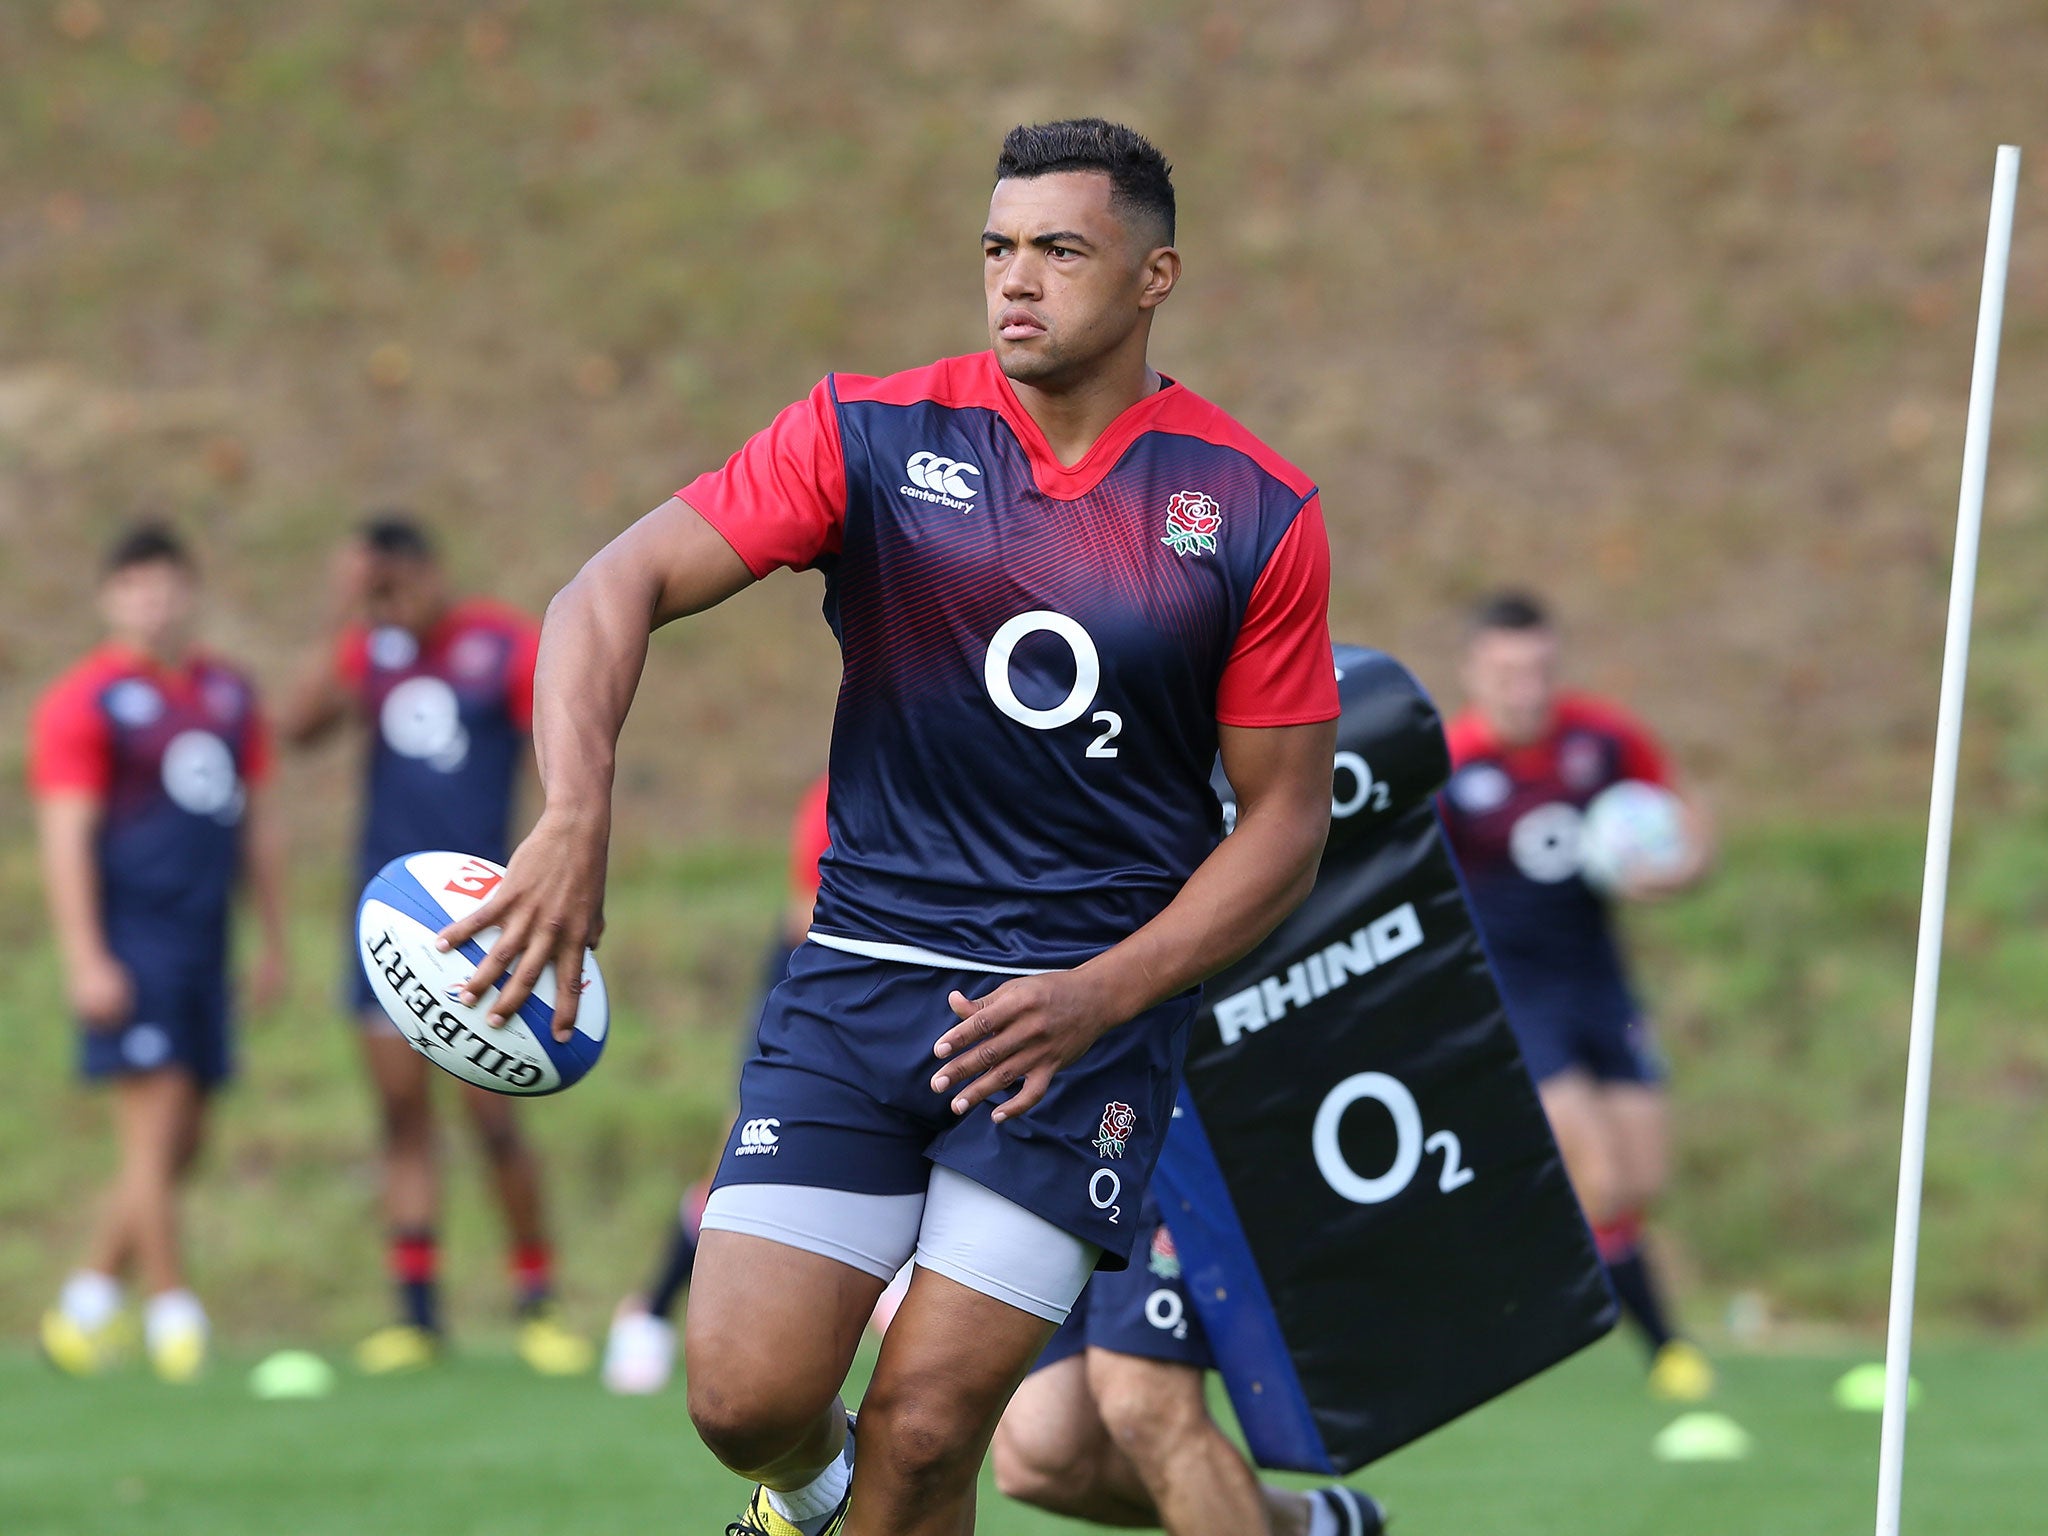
(838, 1095)
(180, 1018)
(1585, 1024)
(1142, 1311)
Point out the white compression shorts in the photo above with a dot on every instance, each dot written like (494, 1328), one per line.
(956, 1228)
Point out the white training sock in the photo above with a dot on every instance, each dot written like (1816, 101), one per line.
(821, 1495)
(90, 1299)
(171, 1312)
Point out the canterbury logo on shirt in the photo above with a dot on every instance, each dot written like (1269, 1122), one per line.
(758, 1136)
(943, 480)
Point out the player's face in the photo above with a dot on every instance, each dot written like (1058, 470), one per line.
(1067, 279)
(1511, 679)
(150, 606)
(404, 592)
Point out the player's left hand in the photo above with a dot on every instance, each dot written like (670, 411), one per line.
(1017, 1037)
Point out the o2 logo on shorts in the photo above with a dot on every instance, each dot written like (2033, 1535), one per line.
(199, 776)
(1105, 1188)
(1409, 1142)
(422, 719)
(1165, 1311)
(995, 675)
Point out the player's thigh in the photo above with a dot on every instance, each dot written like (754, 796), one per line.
(1573, 1102)
(153, 1116)
(400, 1076)
(770, 1333)
(1638, 1120)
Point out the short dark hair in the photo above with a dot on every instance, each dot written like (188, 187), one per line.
(1509, 609)
(147, 543)
(1139, 177)
(398, 533)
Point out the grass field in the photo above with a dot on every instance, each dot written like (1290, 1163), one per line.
(482, 1447)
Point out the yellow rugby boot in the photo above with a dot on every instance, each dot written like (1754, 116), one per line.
(1681, 1374)
(763, 1519)
(178, 1353)
(549, 1347)
(399, 1348)
(78, 1351)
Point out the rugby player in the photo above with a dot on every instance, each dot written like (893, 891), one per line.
(1112, 1425)
(445, 685)
(148, 761)
(1060, 583)
(1527, 758)
(640, 1351)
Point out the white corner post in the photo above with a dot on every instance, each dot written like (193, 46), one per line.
(1955, 664)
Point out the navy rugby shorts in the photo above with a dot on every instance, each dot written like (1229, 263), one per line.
(838, 1095)
(180, 1017)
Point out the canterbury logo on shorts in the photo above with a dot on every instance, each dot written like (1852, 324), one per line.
(758, 1136)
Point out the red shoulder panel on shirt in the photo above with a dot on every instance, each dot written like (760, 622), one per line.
(781, 500)
(1468, 736)
(969, 380)
(70, 747)
(1184, 412)
(1281, 670)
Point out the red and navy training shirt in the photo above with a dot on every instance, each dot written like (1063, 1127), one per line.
(169, 753)
(450, 717)
(1036, 657)
(1514, 816)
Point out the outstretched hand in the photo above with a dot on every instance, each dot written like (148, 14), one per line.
(549, 908)
(1017, 1037)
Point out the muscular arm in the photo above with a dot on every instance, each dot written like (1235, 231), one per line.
(1025, 1030)
(593, 647)
(66, 825)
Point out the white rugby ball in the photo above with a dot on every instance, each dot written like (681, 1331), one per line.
(1632, 831)
(409, 901)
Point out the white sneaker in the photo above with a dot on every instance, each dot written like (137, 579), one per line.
(640, 1351)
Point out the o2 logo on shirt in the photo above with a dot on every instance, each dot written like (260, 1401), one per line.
(199, 776)
(421, 719)
(1087, 678)
(1545, 843)
(134, 703)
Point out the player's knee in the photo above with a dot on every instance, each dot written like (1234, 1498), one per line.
(500, 1139)
(929, 1440)
(1148, 1410)
(748, 1432)
(408, 1121)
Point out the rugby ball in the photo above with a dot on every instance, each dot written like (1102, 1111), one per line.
(1632, 831)
(413, 898)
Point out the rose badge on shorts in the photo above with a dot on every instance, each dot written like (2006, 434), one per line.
(1192, 521)
(1118, 1121)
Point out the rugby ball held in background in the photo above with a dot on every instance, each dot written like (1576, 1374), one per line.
(409, 901)
(1633, 831)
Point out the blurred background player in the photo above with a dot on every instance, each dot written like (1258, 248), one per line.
(1527, 758)
(147, 761)
(1112, 1425)
(446, 687)
(640, 1353)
